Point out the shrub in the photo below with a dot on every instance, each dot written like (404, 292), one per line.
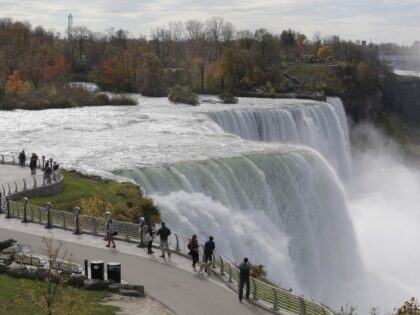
(183, 94)
(228, 98)
(62, 97)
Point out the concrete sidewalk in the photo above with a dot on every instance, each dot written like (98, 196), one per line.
(10, 173)
(172, 282)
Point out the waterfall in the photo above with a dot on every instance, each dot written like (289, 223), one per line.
(285, 209)
(321, 126)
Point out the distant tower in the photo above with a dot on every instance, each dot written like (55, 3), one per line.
(70, 25)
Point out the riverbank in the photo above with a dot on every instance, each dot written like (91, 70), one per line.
(95, 196)
(64, 96)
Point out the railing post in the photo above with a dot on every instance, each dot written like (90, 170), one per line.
(1, 202)
(302, 306)
(230, 273)
(34, 181)
(2, 159)
(8, 216)
(77, 213)
(16, 189)
(127, 237)
(222, 266)
(255, 289)
(8, 185)
(43, 162)
(24, 184)
(25, 204)
(275, 305)
(48, 208)
(13, 159)
(177, 243)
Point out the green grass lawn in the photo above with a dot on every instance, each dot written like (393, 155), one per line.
(16, 296)
(95, 196)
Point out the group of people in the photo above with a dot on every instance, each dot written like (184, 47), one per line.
(50, 168)
(148, 231)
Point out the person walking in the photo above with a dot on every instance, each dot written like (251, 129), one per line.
(209, 248)
(244, 270)
(193, 247)
(55, 171)
(164, 233)
(110, 232)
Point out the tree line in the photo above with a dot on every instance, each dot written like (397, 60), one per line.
(210, 56)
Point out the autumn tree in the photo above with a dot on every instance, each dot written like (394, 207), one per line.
(15, 86)
(325, 53)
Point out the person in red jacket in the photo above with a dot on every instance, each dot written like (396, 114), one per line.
(193, 247)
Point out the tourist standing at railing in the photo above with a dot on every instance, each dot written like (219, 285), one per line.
(32, 163)
(193, 247)
(244, 271)
(47, 173)
(55, 171)
(22, 158)
(209, 248)
(150, 231)
(110, 232)
(164, 233)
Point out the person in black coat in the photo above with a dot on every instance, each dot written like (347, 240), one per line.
(244, 271)
(164, 233)
(209, 248)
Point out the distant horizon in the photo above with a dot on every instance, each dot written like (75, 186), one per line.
(377, 21)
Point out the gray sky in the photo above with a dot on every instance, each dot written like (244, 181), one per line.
(377, 20)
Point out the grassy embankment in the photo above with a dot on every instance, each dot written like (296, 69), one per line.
(94, 196)
(62, 97)
(13, 302)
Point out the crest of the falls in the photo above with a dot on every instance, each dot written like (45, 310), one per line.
(321, 126)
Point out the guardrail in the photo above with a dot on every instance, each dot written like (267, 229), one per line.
(266, 295)
(30, 183)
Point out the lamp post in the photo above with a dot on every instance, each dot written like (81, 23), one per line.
(8, 216)
(48, 208)
(107, 216)
(25, 204)
(77, 213)
(141, 222)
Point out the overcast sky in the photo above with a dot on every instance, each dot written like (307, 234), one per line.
(377, 20)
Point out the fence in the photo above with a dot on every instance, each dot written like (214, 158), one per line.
(272, 297)
(34, 185)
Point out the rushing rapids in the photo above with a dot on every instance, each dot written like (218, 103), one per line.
(260, 176)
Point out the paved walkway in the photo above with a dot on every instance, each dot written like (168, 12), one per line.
(10, 173)
(172, 282)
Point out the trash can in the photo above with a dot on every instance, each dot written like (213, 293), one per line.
(114, 272)
(97, 269)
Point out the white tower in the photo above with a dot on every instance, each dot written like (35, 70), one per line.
(70, 25)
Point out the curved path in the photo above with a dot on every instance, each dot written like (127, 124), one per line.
(171, 282)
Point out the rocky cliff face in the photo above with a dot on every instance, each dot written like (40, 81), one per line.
(400, 95)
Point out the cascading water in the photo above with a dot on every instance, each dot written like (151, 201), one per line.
(285, 210)
(321, 126)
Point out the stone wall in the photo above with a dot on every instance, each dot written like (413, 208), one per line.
(40, 191)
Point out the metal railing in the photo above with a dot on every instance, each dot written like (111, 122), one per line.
(25, 184)
(262, 293)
